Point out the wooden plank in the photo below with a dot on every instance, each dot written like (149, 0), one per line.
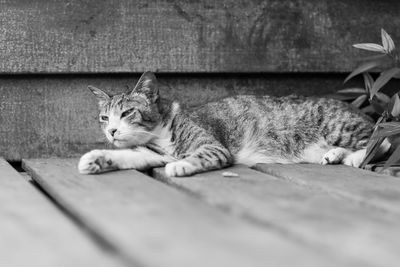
(157, 225)
(49, 116)
(355, 233)
(392, 171)
(189, 36)
(33, 232)
(381, 191)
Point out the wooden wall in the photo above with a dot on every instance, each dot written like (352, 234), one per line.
(189, 36)
(201, 50)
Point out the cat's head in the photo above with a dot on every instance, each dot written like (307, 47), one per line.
(130, 119)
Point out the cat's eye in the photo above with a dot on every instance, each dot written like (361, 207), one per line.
(103, 118)
(127, 112)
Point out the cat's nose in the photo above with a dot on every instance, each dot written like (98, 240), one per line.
(112, 131)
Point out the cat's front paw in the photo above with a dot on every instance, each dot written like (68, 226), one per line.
(333, 156)
(180, 168)
(95, 161)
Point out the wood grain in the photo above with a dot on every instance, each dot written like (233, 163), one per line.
(369, 188)
(46, 116)
(157, 225)
(189, 36)
(357, 234)
(33, 232)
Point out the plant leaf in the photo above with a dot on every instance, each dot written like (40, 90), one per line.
(349, 93)
(354, 90)
(370, 47)
(378, 107)
(389, 124)
(383, 79)
(386, 132)
(397, 76)
(387, 41)
(343, 97)
(362, 68)
(359, 101)
(368, 81)
(394, 105)
(372, 146)
(392, 159)
(368, 109)
(382, 97)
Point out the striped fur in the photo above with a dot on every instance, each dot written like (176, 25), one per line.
(241, 129)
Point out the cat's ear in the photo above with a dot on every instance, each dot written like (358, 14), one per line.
(147, 86)
(102, 97)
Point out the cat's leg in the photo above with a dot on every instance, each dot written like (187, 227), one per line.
(204, 158)
(323, 153)
(97, 161)
(355, 158)
(344, 156)
(348, 157)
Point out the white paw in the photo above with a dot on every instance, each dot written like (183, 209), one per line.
(94, 161)
(179, 168)
(355, 159)
(334, 156)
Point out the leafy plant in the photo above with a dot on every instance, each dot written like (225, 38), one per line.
(370, 100)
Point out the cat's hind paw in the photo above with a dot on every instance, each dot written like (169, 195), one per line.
(179, 168)
(355, 159)
(95, 161)
(334, 156)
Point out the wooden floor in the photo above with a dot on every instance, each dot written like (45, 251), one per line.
(273, 215)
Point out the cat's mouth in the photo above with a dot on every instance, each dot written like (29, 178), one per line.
(118, 140)
(122, 143)
(127, 140)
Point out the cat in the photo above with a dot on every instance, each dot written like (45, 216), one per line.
(153, 132)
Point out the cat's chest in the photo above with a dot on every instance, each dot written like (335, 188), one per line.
(163, 142)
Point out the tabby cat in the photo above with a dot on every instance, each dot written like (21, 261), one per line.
(153, 132)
